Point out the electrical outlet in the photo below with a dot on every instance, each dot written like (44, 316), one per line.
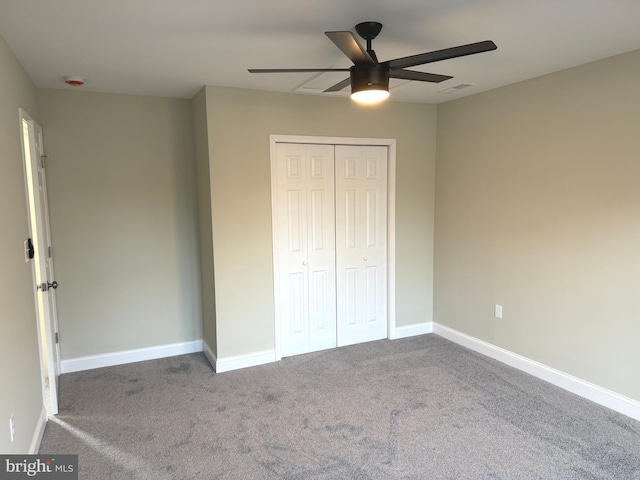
(12, 427)
(498, 311)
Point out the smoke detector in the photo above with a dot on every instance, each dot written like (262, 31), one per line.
(74, 80)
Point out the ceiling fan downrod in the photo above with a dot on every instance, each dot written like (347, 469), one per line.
(368, 31)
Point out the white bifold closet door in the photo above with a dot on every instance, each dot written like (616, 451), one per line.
(361, 243)
(306, 247)
(331, 250)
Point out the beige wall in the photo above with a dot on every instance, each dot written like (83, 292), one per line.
(538, 209)
(239, 125)
(20, 384)
(122, 196)
(199, 108)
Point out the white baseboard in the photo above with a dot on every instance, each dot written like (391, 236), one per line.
(226, 364)
(129, 356)
(206, 349)
(412, 330)
(590, 391)
(38, 432)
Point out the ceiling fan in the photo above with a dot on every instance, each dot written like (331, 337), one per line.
(369, 78)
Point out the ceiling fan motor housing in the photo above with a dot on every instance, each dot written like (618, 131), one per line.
(369, 77)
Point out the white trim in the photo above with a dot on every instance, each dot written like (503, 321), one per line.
(206, 349)
(391, 240)
(129, 356)
(38, 432)
(226, 364)
(412, 330)
(330, 140)
(277, 327)
(390, 143)
(590, 391)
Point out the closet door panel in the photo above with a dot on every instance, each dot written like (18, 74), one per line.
(305, 241)
(361, 229)
(291, 204)
(321, 251)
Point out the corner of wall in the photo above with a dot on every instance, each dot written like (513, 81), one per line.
(205, 222)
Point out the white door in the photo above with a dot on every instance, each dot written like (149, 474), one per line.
(305, 247)
(45, 285)
(361, 243)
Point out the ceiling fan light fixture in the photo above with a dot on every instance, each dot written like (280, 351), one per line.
(370, 96)
(369, 83)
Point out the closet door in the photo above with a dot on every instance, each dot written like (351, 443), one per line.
(361, 243)
(305, 241)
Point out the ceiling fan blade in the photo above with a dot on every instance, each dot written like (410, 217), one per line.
(339, 86)
(439, 55)
(346, 42)
(296, 70)
(419, 76)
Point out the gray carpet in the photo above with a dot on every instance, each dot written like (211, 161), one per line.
(416, 408)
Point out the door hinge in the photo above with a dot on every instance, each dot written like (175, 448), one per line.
(57, 338)
(49, 252)
(42, 159)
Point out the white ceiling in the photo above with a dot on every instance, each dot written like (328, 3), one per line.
(174, 47)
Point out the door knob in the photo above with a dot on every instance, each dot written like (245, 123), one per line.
(364, 258)
(304, 262)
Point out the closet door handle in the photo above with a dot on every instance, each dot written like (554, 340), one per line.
(364, 258)
(304, 262)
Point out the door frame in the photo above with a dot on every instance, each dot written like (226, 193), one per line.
(390, 143)
(47, 327)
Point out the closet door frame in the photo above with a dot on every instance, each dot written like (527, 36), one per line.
(391, 210)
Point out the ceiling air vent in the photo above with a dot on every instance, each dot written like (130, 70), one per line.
(455, 88)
